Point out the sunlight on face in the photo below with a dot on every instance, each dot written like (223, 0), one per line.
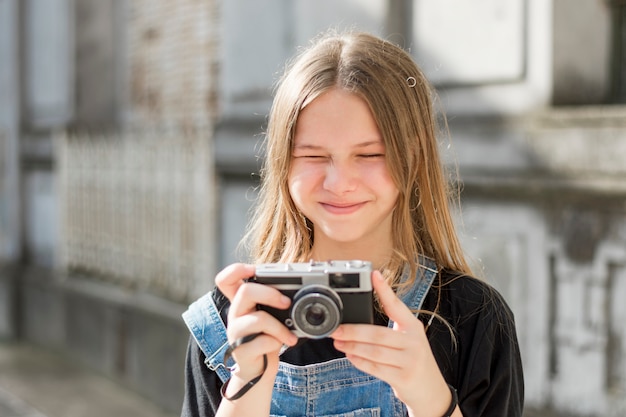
(339, 178)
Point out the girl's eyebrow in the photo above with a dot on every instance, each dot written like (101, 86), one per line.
(358, 145)
(306, 146)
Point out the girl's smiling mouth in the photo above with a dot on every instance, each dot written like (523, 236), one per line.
(341, 208)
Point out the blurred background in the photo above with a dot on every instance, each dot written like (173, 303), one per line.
(129, 135)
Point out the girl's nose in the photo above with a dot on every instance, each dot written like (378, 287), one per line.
(340, 177)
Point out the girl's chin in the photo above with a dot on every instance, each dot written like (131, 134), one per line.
(347, 237)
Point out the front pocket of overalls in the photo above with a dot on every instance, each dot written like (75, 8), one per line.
(331, 389)
(364, 412)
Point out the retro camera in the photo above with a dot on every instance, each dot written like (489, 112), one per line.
(323, 294)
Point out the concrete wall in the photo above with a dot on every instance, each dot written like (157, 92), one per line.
(582, 60)
(544, 219)
(10, 205)
(99, 82)
(136, 339)
(77, 64)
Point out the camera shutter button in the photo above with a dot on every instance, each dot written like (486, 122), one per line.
(355, 264)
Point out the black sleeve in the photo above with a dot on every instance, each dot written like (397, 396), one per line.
(493, 382)
(202, 386)
(482, 361)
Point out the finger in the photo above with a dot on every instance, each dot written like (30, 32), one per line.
(260, 322)
(374, 343)
(374, 353)
(229, 279)
(249, 356)
(257, 347)
(368, 333)
(393, 307)
(381, 371)
(250, 294)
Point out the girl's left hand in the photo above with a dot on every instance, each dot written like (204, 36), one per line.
(400, 356)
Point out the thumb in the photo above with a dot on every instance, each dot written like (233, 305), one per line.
(393, 307)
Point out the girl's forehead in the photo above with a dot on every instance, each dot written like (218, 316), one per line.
(337, 116)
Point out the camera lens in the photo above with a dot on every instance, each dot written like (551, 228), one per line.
(316, 311)
(315, 314)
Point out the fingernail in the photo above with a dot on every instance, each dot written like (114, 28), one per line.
(285, 300)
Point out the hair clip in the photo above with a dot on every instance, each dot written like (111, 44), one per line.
(411, 81)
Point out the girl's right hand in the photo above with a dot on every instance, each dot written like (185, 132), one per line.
(245, 319)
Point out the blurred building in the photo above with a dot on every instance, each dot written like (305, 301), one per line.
(129, 130)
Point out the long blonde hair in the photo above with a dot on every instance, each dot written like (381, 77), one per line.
(401, 101)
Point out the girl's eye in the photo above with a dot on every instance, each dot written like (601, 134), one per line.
(372, 155)
(312, 156)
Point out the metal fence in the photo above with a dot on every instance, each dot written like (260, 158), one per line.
(136, 209)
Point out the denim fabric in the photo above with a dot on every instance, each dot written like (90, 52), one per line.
(206, 327)
(330, 389)
(334, 388)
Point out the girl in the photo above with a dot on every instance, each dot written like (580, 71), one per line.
(352, 172)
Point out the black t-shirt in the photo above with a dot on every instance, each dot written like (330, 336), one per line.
(481, 358)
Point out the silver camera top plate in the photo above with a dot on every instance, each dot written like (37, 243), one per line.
(294, 275)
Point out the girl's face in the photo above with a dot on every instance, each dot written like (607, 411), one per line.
(339, 178)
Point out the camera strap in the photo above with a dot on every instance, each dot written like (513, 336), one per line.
(253, 381)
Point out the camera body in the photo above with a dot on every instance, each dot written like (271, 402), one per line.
(323, 294)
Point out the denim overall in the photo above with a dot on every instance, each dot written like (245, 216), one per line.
(329, 389)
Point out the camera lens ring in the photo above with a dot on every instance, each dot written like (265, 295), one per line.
(316, 311)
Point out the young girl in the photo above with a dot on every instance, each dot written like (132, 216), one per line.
(352, 172)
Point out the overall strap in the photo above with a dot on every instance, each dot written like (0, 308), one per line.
(416, 294)
(206, 326)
